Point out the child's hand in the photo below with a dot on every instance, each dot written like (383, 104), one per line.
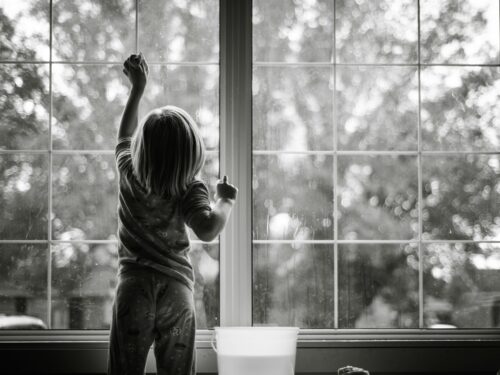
(136, 69)
(225, 190)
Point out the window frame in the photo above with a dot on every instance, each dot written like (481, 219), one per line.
(235, 150)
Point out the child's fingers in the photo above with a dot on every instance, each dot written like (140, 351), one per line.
(144, 67)
(133, 62)
(127, 64)
(136, 59)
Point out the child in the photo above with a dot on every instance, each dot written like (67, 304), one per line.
(158, 165)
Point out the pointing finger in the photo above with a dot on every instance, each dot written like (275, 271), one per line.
(224, 180)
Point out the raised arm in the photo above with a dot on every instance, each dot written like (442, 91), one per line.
(137, 70)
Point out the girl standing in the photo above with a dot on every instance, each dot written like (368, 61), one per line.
(159, 193)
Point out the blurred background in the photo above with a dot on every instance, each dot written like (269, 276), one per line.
(375, 165)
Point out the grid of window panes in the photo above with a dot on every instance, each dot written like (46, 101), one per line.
(62, 92)
(376, 142)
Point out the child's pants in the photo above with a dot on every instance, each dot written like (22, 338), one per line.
(150, 306)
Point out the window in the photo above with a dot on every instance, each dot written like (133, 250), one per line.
(372, 148)
(62, 94)
(375, 164)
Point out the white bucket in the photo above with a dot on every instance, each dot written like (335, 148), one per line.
(255, 350)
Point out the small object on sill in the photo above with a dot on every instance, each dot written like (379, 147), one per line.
(350, 370)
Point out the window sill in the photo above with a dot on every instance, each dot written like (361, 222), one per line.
(321, 351)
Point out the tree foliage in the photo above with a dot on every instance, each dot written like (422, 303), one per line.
(374, 108)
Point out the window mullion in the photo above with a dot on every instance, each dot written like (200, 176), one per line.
(421, 322)
(49, 191)
(236, 159)
(335, 178)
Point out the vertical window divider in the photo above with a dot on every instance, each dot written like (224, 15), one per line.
(136, 26)
(49, 191)
(236, 160)
(419, 182)
(335, 178)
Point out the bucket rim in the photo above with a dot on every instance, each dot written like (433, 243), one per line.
(232, 328)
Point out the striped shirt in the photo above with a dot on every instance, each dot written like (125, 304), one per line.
(151, 229)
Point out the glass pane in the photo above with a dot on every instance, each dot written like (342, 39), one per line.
(91, 30)
(377, 108)
(205, 260)
(382, 31)
(23, 196)
(378, 286)
(24, 106)
(462, 285)
(293, 285)
(461, 197)
(210, 175)
(23, 286)
(377, 197)
(459, 31)
(25, 29)
(292, 30)
(87, 105)
(84, 277)
(85, 190)
(195, 89)
(460, 108)
(292, 108)
(179, 30)
(292, 197)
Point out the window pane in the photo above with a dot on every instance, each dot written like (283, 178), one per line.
(293, 285)
(90, 40)
(377, 197)
(24, 106)
(462, 285)
(292, 30)
(25, 29)
(377, 108)
(179, 30)
(205, 259)
(460, 197)
(460, 108)
(292, 197)
(83, 285)
(459, 31)
(195, 89)
(84, 197)
(382, 31)
(90, 30)
(23, 199)
(378, 286)
(292, 108)
(87, 105)
(23, 286)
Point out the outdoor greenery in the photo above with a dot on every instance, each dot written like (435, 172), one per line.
(296, 107)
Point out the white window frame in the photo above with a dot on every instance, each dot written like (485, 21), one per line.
(317, 349)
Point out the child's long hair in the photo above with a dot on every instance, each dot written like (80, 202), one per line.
(167, 151)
